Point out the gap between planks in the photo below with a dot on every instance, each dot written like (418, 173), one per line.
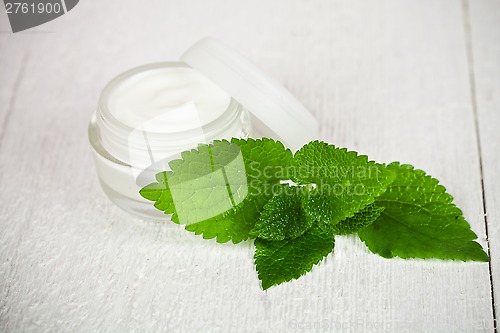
(472, 86)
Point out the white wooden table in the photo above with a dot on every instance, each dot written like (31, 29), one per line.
(417, 81)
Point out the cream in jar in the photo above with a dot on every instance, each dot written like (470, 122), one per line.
(148, 115)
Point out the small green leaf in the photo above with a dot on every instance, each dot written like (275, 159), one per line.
(345, 181)
(420, 221)
(281, 261)
(219, 190)
(283, 217)
(360, 220)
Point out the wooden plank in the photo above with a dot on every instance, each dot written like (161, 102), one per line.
(388, 78)
(485, 55)
(398, 86)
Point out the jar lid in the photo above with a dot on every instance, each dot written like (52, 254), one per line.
(270, 104)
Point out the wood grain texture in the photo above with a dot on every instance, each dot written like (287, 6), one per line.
(388, 78)
(485, 37)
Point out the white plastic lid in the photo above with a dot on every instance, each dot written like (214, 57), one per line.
(269, 103)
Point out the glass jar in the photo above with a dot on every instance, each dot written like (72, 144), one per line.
(146, 117)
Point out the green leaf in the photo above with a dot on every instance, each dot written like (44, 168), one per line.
(218, 190)
(345, 181)
(420, 221)
(360, 220)
(281, 261)
(283, 217)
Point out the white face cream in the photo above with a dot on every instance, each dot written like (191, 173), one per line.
(163, 94)
(146, 117)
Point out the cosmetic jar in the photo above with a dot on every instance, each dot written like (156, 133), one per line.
(150, 114)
